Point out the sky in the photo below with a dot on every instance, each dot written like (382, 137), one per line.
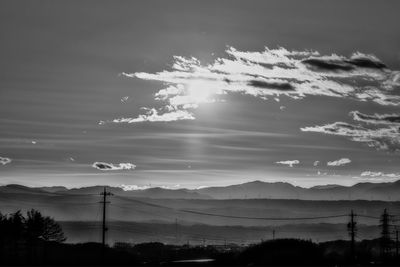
(186, 94)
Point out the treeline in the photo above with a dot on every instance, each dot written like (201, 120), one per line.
(22, 236)
(35, 239)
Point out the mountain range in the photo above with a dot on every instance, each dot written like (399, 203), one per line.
(251, 190)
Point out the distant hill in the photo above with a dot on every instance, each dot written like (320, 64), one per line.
(75, 205)
(251, 190)
(280, 190)
(155, 192)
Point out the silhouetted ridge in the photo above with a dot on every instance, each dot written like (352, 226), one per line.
(249, 190)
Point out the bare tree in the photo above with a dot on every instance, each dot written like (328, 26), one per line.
(43, 227)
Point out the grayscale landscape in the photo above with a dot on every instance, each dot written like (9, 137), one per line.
(215, 133)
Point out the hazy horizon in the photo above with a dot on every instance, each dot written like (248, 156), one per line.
(138, 187)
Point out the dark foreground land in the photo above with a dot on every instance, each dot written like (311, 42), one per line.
(34, 239)
(280, 252)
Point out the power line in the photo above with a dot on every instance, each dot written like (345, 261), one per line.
(233, 216)
(368, 216)
(264, 218)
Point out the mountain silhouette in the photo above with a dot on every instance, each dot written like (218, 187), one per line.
(250, 190)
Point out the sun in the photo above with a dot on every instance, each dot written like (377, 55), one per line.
(200, 91)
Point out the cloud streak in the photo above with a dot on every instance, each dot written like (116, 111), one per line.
(153, 116)
(103, 166)
(339, 162)
(386, 119)
(386, 137)
(290, 163)
(379, 176)
(133, 187)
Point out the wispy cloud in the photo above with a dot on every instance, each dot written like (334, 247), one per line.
(339, 162)
(124, 99)
(386, 119)
(270, 73)
(379, 176)
(4, 160)
(153, 116)
(383, 138)
(290, 163)
(133, 187)
(103, 166)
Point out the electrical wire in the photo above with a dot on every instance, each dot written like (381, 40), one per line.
(232, 216)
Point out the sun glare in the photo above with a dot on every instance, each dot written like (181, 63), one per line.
(200, 91)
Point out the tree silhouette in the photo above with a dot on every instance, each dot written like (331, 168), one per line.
(43, 227)
(15, 225)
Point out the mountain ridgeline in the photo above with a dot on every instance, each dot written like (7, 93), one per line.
(251, 190)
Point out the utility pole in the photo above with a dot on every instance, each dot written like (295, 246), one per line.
(105, 194)
(176, 231)
(273, 234)
(385, 234)
(351, 227)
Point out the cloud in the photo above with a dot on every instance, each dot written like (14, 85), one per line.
(283, 86)
(340, 63)
(152, 116)
(132, 187)
(103, 166)
(339, 162)
(387, 119)
(290, 163)
(270, 73)
(381, 138)
(379, 176)
(5, 161)
(326, 65)
(124, 99)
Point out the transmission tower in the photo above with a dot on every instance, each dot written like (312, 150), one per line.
(352, 229)
(385, 234)
(397, 243)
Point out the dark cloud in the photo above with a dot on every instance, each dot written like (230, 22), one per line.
(338, 63)
(102, 166)
(284, 86)
(327, 65)
(366, 63)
